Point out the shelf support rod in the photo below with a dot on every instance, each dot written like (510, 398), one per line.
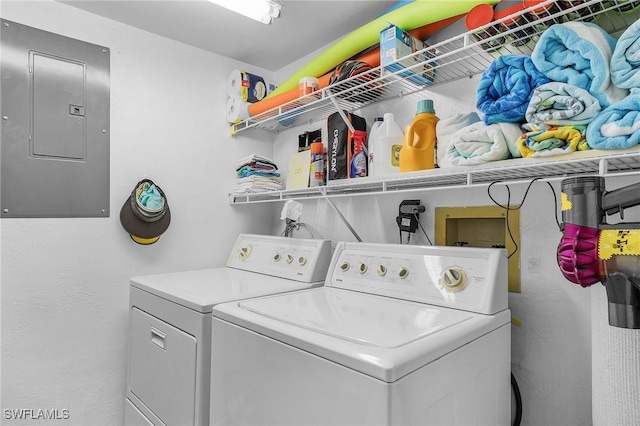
(342, 218)
(335, 103)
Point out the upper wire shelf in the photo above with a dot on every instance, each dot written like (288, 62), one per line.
(458, 57)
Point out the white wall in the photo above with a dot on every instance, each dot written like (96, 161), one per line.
(615, 351)
(65, 281)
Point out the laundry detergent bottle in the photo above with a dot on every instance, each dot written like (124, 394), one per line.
(419, 149)
(386, 146)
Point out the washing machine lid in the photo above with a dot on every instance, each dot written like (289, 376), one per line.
(200, 290)
(384, 337)
(374, 321)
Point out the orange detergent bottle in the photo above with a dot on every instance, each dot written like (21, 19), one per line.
(419, 148)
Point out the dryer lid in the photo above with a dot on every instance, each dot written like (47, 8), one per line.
(360, 318)
(200, 290)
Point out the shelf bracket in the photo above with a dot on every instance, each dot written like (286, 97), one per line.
(603, 167)
(344, 117)
(342, 218)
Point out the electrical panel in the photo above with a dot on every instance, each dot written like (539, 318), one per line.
(55, 125)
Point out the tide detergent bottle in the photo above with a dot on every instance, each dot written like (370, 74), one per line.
(419, 147)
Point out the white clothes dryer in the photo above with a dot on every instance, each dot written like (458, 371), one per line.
(170, 336)
(398, 335)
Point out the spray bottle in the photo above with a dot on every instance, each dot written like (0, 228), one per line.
(316, 175)
(358, 167)
(419, 149)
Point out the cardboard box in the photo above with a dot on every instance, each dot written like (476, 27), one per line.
(396, 44)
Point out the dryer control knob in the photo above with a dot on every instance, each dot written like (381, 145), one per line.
(381, 270)
(289, 258)
(277, 257)
(403, 272)
(345, 266)
(302, 260)
(245, 252)
(362, 268)
(453, 279)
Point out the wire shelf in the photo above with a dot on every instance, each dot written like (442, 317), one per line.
(459, 57)
(604, 163)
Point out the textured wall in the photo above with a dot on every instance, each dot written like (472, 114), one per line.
(615, 352)
(616, 368)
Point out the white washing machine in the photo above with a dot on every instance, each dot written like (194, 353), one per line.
(170, 336)
(398, 335)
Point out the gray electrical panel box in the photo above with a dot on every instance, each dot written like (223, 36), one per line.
(55, 125)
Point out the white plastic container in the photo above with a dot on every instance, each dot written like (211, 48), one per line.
(307, 86)
(377, 122)
(386, 147)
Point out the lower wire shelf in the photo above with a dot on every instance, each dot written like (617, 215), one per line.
(598, 162)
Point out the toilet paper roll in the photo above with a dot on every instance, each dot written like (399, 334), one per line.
(248, 87)
(236, 110)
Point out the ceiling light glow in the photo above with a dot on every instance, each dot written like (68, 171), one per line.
(261, 10)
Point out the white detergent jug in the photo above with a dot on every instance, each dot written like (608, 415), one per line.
(386, 146)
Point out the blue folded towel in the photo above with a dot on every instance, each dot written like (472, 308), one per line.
(618, 126)
(625, 61)
(506, 87)
(579, 53)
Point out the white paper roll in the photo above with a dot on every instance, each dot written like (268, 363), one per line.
(248, 87)
(234, 83)
(236, 110)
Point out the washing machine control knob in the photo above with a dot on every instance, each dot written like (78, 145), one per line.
(289, 258)
(345, 266)
(453, 279)
(302, 260)
(381, 270)
(245, 252)
(277, 257)
(362, 268)
(403, 272)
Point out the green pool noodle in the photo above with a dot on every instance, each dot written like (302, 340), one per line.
(412, 15)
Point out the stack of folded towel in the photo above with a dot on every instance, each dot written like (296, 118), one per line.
(618, 125)
(557, 119)
(579, 90)
(257, 173)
